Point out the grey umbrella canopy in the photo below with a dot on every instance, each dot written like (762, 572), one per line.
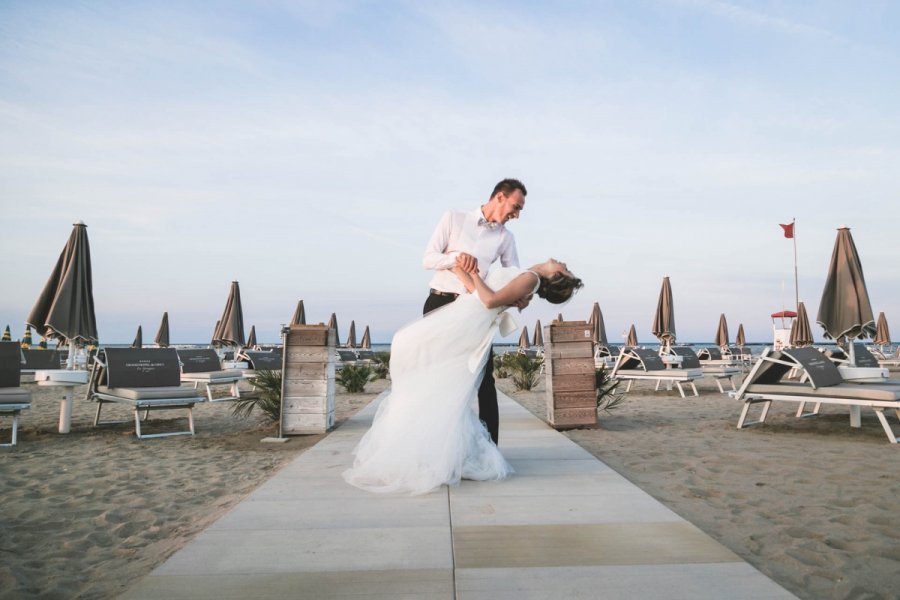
(559, 318)
(631, 339)
(598, 327)
(162, 334)
(333, 324)
(664, 320)
(65, 308)
(299, 317)
(845, 309)
(214, 341)
(351, 335)
(138, 338)
(882, 333)
(366, 342)
(722, 332)
(230, 331)
(538, 335)
(801, 334)
(251, 339)
(739, 339)
(523, 339)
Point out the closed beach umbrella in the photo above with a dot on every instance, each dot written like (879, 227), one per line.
(215, 341)
(801, 334)
(598, 327)
(351, 335)
(65, 308)
(845, 309)
(722, 332)
(138, 338)
(299, 317)
(366, 343)
(882, 333)
(332, 324)
(740, 340)
(538, 335)
(631, 338)
(7, 335)
(26, 337)
(523, 339)
(231, 325)
(162, 334)
(251, 339)
(664, 320)
(559, 318)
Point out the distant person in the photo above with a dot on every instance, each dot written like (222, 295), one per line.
(426, 432)
(476, 238)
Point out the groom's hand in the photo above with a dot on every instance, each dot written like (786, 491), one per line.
(522, 302)
(467, 263)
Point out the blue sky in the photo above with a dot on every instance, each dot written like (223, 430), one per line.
(307, 150)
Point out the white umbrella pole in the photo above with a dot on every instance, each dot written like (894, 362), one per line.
(65, 406)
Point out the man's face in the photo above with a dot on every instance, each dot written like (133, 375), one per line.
(510, 205)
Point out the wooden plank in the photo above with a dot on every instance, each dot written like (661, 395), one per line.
(569, 366)
(568, 331)
(575, 400)
(569, 350)
(303, 387)
(574, 417)
(309, 404)
(315, 354)
(310, 335)
(310, 370)
(308, 423)
(578, 382)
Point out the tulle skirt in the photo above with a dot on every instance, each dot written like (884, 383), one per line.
(426, 432)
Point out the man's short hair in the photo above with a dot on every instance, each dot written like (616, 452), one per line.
(508, 186)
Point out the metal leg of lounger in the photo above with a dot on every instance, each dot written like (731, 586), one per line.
(15, 428)
(97, 416)
(879, 412)
(855, 416)
(209, 392)
(813, 413)
(628, 387)
(144, 436)
(748, 401)
(694, 387)
(719, 383)
(680, 389)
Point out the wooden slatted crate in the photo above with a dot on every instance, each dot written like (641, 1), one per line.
(571, 382)
(308, 386)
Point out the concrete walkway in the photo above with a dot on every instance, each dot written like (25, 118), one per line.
(564, 526)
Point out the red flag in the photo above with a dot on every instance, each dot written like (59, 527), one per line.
(788, 230)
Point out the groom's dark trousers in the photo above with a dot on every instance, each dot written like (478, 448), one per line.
(487, 393)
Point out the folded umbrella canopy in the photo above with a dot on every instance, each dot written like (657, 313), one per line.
(65, 308)
(138, 338)
(7, 335)
(251, 339)
(27, 341)
(631, 338)
(722, 332)
(664, 320)
(299, 317)
(845, 309)
(162, 334)
(538, 335)
(882, 333)
(740, 340)
(333, 324)
(523, 339)
(598, 327)
(366, 342)
(801, 334)
(351, 335)
(230, 331)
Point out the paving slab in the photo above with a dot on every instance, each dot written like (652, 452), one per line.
(564, 525)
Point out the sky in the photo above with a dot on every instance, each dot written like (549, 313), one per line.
(308, 149)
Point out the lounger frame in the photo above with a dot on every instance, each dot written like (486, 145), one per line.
(13, 410)
(669, 376)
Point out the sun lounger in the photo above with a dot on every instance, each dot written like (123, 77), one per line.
(821, 383)
(366, 355)
(145, 379)
(259, 360)
(202, 366)
(13, 398)
(719, 370)
(887, 361)
(347, 357)
(641, 364)
(40, 360)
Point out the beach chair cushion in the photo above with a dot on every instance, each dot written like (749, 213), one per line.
(199, 360)
(843, 390)
(41, 359)
(14, 395)
(260, 360)
(641, 359)
(689, 358)
(347, 355)
(864, 358)
(212, 376)
(366, 355)
(710, 353)
(149, 393)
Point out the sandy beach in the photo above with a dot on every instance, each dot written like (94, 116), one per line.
(808, 502)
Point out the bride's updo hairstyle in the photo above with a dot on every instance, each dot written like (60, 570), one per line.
(559, 288)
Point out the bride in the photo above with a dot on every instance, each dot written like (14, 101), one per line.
(426, 432)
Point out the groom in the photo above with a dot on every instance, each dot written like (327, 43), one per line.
(476, 239)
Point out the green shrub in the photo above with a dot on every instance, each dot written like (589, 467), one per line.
(524, 370)
(382, 365)
(501, 370)
(267, 396)
(355, 377)
(608, 396)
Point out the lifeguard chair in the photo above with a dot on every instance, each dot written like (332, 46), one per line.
(782, 335)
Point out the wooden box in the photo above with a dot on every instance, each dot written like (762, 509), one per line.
(308, 380)
(571, 375)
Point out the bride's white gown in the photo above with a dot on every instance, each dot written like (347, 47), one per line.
(426, 432)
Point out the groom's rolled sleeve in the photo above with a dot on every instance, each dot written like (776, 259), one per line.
(436, 256)
(509, 257)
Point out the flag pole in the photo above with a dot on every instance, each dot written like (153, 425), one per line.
(796, 279)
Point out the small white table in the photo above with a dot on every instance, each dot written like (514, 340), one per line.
(66, 379)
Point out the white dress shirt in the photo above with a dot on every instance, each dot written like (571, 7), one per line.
(468, 233)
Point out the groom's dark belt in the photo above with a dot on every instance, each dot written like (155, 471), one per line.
(440, 293)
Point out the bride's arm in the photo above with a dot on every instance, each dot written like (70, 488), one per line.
(515, 290)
